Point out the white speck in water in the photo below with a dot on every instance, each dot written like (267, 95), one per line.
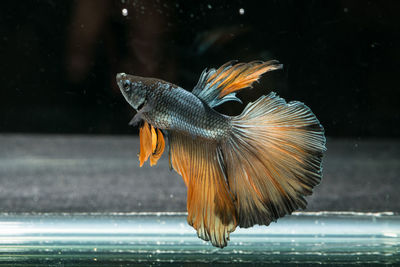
(171, 196)
(345, 10)
(139, 204)
(241, 11)
(123, 1)
(124, 12)
(209, 6)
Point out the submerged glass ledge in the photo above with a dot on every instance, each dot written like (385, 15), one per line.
(165, 238)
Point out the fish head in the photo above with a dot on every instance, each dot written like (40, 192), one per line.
(133, 89)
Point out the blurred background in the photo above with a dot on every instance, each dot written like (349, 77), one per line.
(58, 61)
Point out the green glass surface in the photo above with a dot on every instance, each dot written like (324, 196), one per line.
(165, 238)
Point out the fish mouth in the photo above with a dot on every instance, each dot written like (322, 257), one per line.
(120, 77)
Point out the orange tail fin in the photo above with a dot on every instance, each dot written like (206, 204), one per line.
(273, 159)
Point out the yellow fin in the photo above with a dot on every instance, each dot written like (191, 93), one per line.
(239, 76)
(152, 144)
(219, 86)
(153, 139)
(145, 143)
(209, 203)
(160, 146)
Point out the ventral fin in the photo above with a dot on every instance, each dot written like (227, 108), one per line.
(145, 143)
(218, 86)
(152, 144)
(159, 149)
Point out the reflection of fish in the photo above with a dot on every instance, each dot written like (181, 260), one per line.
(218, 38)
(241, 170)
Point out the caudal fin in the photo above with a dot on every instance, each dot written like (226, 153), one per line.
(272, 159)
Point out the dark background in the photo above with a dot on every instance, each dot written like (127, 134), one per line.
(58, 61)
(59, 58)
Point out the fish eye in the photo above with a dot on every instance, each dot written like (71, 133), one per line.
(127, 84)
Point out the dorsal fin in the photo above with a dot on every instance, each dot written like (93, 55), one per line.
(218, 86)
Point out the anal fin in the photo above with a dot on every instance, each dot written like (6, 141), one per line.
(210, 205)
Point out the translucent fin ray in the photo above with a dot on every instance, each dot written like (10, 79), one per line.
(209, 203)
(218, 86)
(145, 143)
(152, 144)
(159, 149)
(273, 159)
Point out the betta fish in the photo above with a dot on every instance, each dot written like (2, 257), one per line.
(241, 170)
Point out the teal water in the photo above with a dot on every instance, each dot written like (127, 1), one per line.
(166, 239)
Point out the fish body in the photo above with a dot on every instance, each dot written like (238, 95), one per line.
(239, 170)
(169, 107)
